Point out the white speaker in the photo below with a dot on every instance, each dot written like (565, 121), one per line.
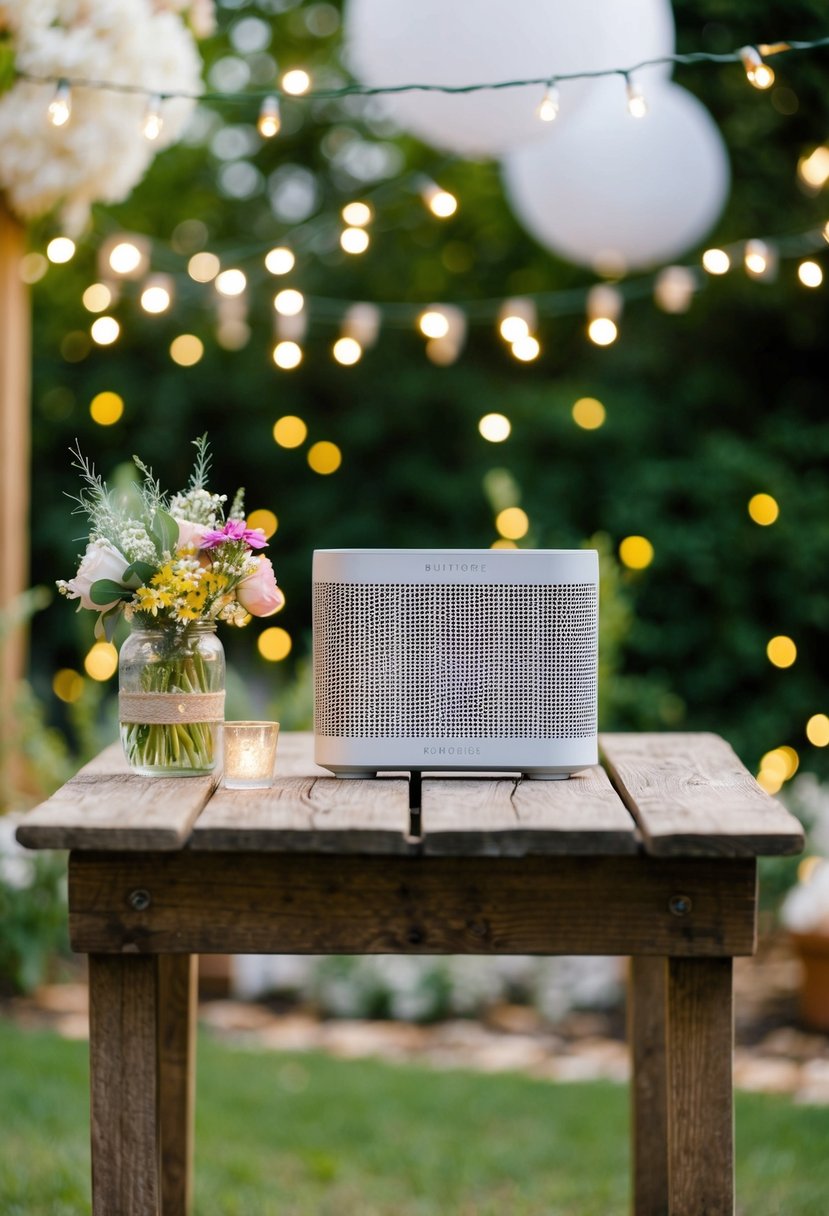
(460, 660)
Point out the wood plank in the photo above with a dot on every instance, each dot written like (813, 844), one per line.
(177, 1004)
(317, 904)
(700, 1094)
(309, 814)
(512, 817)
(122, 1052)
(648, 1085)
(691, 796)
(105, 806)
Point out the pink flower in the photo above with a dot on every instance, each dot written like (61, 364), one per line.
(101, 560)
(258, 593)
(190, 536)
(234, 529)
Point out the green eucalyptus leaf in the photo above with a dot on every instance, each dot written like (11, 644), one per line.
(104, 591)
(164, 532)
(143, 571)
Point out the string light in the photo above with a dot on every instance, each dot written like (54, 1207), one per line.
(637, 106)
(781, 651)
(589, 413)
(548, 107)
(526, 349)
(440, 202)
(674, 288)
(347, 351)
(716, 261)
(105, 331)
(817, 730)
(287, 355)
(269, 122)
(324, 457)
(289, 302)
(810, 274)
(362, 323)
(290, 431)
(813, 170)
(186, 350)
(357, 215)
(760, 260)
(231, 282)
(157, 295)
(60, 249)
(495, 428)
(763, 509)
(60, 107)
(517, 318)
(97, 297)
(512, 523)
(274, 644)
(296, 82)
(203, 267)
(433, 323)
(602, 331)
(126, 258)
(106, 408)
(152, 122)
(758, 73)
(636, 552)
(354, 240)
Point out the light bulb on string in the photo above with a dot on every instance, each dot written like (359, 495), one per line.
(439, 201)
(760, 260)
(637, 106)
(152, 121)
(269, 122)
(548, 107)
(758, 73)
(517, 319)
(60, 107)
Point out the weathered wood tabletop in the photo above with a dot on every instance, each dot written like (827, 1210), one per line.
(653, 854)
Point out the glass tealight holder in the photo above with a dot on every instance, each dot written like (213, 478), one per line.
(249, 754)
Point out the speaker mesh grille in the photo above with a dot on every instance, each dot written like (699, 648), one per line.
(465, 661)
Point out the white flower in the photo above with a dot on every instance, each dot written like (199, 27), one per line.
(806, 907)
(101, 560)
(100, 154)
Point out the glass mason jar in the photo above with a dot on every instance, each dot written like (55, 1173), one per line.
(171, 681)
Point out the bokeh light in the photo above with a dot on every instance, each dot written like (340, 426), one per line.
(101, 663)
(636, 552)
(67, 685)
(274, 644)
(495, 427)
(290, 431)
(716, 261)
(513, 329)
(810, 274)
(602, 331)
(781, 651)
(354, 240)
(526, 349)
(347, 351)
(186, 350)
(105, 331)
(357, 215)
(280, 260)
(97, 297)
(324, 457)
(125, 257)
(264, 519)
(287, 355)
(512, 523)
(289, 303)
(106, 408)
(589, 413)
(231, 282)
(817, 730)
(433, 324)
(203, 267)
(296, 82)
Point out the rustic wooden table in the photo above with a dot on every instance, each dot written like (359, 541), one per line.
(654, 856)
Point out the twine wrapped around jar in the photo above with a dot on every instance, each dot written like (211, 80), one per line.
(155, 708)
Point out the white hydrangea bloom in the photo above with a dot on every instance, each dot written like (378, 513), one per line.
(101, 153)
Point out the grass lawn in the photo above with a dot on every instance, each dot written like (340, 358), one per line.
(312, 1136)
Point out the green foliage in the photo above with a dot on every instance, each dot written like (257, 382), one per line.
(703, 410)
(312, 1135)
(32, 918)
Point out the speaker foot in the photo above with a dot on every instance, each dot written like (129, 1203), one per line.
(358, 776)
(546, 776)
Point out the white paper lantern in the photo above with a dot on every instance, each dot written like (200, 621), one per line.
(460, 42)
(618, 193)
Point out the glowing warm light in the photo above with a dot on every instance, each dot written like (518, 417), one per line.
(495, 427)
(60, 249)
(105, 331)
(810, 274)
(758, 73)
(186, 350)
(817, 730)
(67, 685)
(433, 324)
(264, 519)
(673, 289)
(153, 122)
(589, 413)
(155, 299)
(269, 122)
(296, 82)
(97, 297)
(783, 762)
(769, 781)
(231, 282)
(548, 106)
(347, 351)
(33, 267)
(716, 261)
(125, 257)
(60, 107)
(357, 215)
(290, 431)
(203, 267)
(781, 651)
(636, 552)
(602, 331)
(440, 202)
(637, 106)
(526, 349)
(289, 303)
(503, 544)
(512, 523)
(763, 509)
(814, 169)
(513, 329)
(324, 457)
(101, 663)
(280, 260)
(106, 408)
(756, 258)
(287, 355)
(354, 240)
(274, 644)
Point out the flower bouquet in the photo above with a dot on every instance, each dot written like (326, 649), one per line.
(173, 567)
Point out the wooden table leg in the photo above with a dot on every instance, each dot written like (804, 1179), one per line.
(648, 1085)
(177, 1006)
(700, 1045)
(123, 997)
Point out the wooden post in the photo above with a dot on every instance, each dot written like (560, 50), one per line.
(15, 359)
(177, 1002)
(648, 1085)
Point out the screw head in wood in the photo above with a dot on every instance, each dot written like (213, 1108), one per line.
(139, 900)
(680, 905)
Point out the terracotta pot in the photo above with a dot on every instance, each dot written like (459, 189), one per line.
(813, 951)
